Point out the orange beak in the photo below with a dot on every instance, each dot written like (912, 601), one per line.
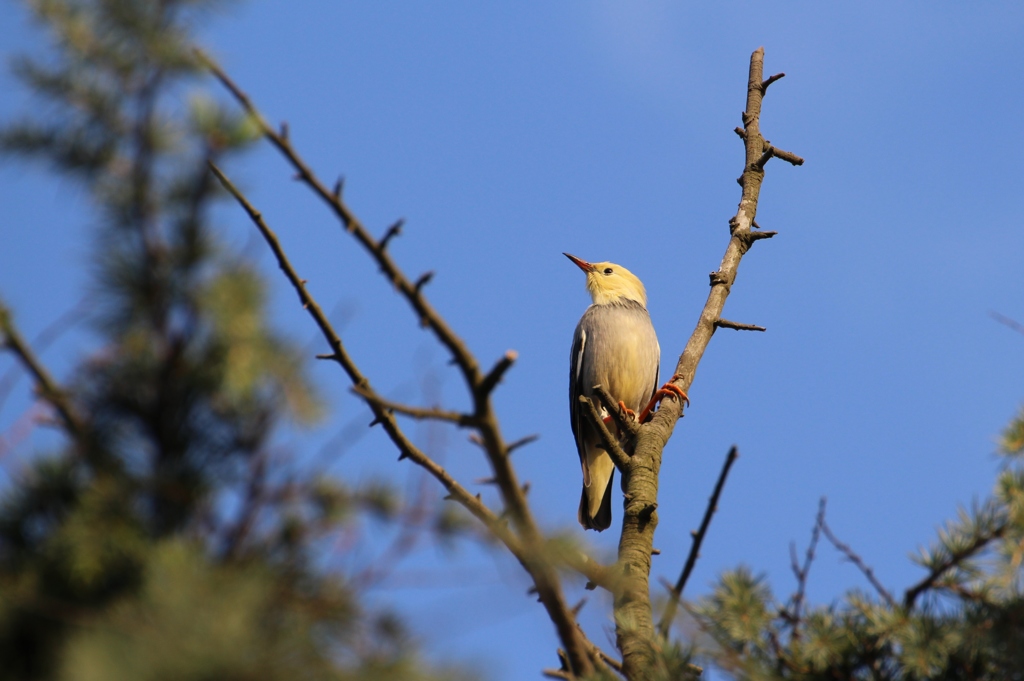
(582, 264)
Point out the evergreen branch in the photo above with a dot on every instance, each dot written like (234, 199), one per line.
(698, 538)
(983, 536)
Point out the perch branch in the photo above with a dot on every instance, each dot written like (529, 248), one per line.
(640, 480)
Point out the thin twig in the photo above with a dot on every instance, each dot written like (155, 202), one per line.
(1007, 321)
(622, 420)
(610, 442)
(522, 442)
(801, 572)
(698, 538)
(726, 324)
(48, 389)
(861, 565)
(419, 413)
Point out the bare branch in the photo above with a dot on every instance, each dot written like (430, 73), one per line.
(47, 388)
(1007, 322)
(419, 413)
(615, 410)
(521, 442)
(770, 80)
(698, 538)
(544, 575)
(726, 324)
(493, 377)
(640, 480)
(393, 231)
(801, 572)
(787, 156)
(856, 560)
(464, 359)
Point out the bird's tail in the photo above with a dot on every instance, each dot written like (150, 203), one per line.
(602, 519)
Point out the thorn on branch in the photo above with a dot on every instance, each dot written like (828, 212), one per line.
(726, 324)
(392, 231)
(339, 187)
(377, 420)
(491, 380)
(575, 610)
(770, 80)
(521, 442)
(485, 481)
(284, 130)
(757, 236)
(328, 355)
(423, 280)
(741, 132)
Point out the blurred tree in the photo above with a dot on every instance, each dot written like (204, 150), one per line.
(963, 620)
(162, 541)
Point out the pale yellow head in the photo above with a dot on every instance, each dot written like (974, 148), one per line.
(608, 282)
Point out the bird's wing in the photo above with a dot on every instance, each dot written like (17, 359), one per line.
(579, 347)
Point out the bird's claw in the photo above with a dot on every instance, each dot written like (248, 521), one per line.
(667, 390)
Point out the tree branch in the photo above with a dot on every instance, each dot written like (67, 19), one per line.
(610, 442)
(801, 572)
(640, 480)
(526, 547)
(861, 565)
(698, 538)
(419, 413)
(726, 324)
(47, 388)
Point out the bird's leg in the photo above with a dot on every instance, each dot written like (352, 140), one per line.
(667, 390)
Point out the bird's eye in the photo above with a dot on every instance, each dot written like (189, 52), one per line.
(607, 270)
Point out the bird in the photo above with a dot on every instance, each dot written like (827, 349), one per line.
(614, 346)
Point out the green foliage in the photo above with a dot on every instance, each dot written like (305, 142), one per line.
(963, 620)
(164, 541)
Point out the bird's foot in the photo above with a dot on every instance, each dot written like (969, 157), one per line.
(667, 390)
(626, 410)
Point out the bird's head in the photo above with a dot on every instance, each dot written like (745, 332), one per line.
(608, 282)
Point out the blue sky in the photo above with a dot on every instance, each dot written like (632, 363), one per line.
(508, 133)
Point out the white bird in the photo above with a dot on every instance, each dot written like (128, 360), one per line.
(615, 347)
